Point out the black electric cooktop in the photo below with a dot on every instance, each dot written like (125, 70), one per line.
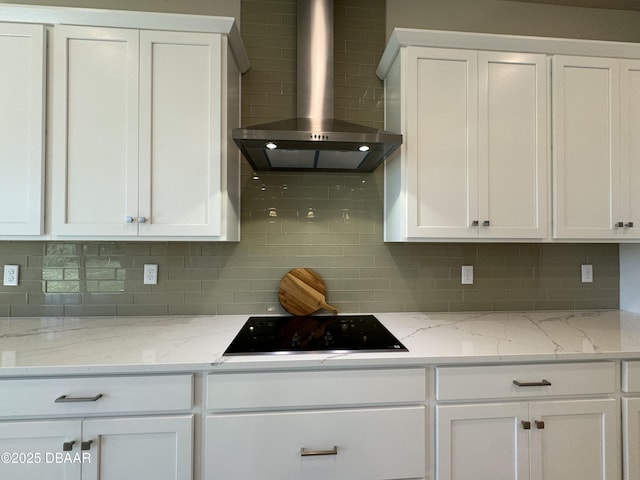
(313, 334)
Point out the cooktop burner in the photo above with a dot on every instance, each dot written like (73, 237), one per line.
(313, 334)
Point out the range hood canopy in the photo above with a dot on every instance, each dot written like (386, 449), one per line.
(315, 140)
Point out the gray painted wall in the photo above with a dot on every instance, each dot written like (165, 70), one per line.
(344, 239)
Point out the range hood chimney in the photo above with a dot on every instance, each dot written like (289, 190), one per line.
(314, 140)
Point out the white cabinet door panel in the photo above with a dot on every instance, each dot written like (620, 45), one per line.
(35, 450)
(22, 84)
(586, 159)
(95, 174)
(180, 166)
(579, 440)
(482, 442)
(371, 444)
(512, 152)
(442, 142)
(630, 149)
(631, 437)
(149, 448)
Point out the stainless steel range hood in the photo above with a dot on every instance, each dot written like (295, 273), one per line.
(315, 140)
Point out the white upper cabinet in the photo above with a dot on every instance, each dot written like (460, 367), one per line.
(474, 159)
(597, 148)
(180, 134)
(22, 107)
(513, 160)
(440, 144)
(629, 150)
(586, 108)
(140, 142)
(95, 131)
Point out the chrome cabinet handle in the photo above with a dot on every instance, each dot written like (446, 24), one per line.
(486, 223)
(68, 446)
(526, 425)
(304, 452)
(128, 219)
(65, 399)
(86, 445)
(542, 383)
(539, 424)
(142, 219)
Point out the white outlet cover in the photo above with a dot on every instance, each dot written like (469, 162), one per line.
(11, 275)
(587, 273)
(150, 274)
(467, 275)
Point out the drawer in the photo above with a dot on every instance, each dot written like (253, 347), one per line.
(631, 377)
(358, 444)
(309, 389)
(96, 395)
(499, 381)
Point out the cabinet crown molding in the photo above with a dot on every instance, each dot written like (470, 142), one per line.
(403, 37)
(130, 19)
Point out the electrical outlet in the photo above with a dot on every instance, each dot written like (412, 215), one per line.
(467, 274)
(150, 274)
(8, 358)
(587, 273)
(11, 276)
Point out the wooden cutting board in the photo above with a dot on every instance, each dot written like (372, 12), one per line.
(302, 292)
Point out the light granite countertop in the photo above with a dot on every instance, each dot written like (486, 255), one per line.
(52, 346)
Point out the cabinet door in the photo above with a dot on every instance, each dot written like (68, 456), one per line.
(34, 450)
(631, 437)
(586, 104)
(512, 145)
(180, 134)
(22, 83)
(482, 442)
(95, 131)
(150, 448)
(578, 441)
(630, 150)
(359, 444)
(441, 93)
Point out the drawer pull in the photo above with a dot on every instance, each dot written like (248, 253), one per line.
(539, 424)
(526, 425)
(86, 445)
(65, 399)
(542, 383)
(67, 446)
(304, 452)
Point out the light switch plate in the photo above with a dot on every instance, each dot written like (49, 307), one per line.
(11, 275)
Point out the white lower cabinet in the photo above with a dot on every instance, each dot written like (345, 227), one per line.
(524, 436)
(631, 419)
(345, 435)
(481, 442)
(104, 448)
(30, 449)
(91, 431)
(383, 443)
